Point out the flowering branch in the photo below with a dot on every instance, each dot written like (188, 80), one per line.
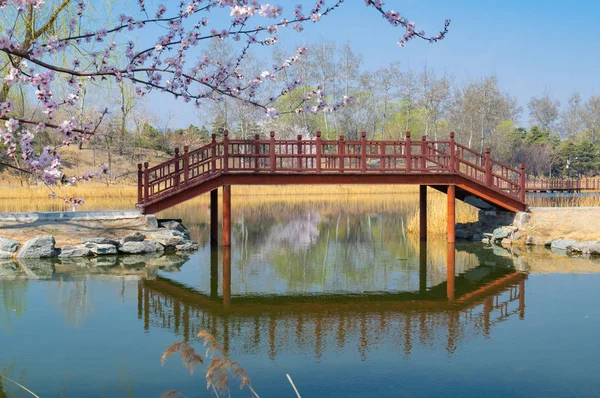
(163, 65)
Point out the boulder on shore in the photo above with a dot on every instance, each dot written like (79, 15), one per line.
(40, 247)
(102, 248)
(168, 238)
(562, 244)
(99, 241)
(8, 245)
(75, 251)
(589, 247)
(134, 237)
(147, 246)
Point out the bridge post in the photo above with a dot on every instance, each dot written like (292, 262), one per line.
(226, 215)
(272, 151)
(363, 152)
(140, 185)
(176, 176)
(451, 213)
(424, 153)
(318, 151)
(299, 154)
(522, 179)
(488, 168)
(214, 153)
(341, 153)
(452, 160)
(146, 179)
(186, 165)
(256, 152)
(423, 212)
(225, 151)
(214, 218)
(407, 152)
(450, 271)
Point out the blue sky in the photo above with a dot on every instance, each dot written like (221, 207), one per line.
(530, 45)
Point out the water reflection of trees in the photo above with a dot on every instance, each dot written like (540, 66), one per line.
(14, 301)
(310, 252)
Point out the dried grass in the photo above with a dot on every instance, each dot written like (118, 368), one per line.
(437, 210)
(219, 370)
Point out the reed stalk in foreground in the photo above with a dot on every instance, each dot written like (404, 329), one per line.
(218, 370)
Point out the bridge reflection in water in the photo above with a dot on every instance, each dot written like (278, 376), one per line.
(462, 307)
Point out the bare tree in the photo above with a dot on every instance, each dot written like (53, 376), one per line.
(544, 111)
(572, 118)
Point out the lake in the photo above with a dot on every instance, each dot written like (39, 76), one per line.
(334, 292)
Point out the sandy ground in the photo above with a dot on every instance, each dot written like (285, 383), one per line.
(579, 223)
(70, 232)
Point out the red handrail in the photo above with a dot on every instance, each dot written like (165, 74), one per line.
(319, 156)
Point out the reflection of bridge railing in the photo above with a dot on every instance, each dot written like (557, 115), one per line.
(276, 324)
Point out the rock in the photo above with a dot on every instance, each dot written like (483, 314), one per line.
(8, 245)
(168, 238)
(175, 226)
(501, 233)
(506, 242)
(530, 240)
(41, 247)
(5, 255)
(151, 221)
(562, 244)
(488, 235)
(99, 241)
(548, 243)
(589, 247)
(150, 246)
(101, 248)
(187, 247)
(521, 219)
(37, 268)
(134, 237)
(75, 251)
(516, 235)
(485, 240)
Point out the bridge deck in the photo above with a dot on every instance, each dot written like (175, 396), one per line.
(319, 161)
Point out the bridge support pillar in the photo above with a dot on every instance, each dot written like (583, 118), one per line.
(450, 271)
(451, 213)
(423, 212)
(214, 218)
(226, 215)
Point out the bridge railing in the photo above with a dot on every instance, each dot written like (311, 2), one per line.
(322, 156)
(563, 184)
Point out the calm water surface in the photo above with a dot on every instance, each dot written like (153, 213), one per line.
(336, 294)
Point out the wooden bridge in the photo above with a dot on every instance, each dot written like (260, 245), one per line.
(444, 165)
(574, 185)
